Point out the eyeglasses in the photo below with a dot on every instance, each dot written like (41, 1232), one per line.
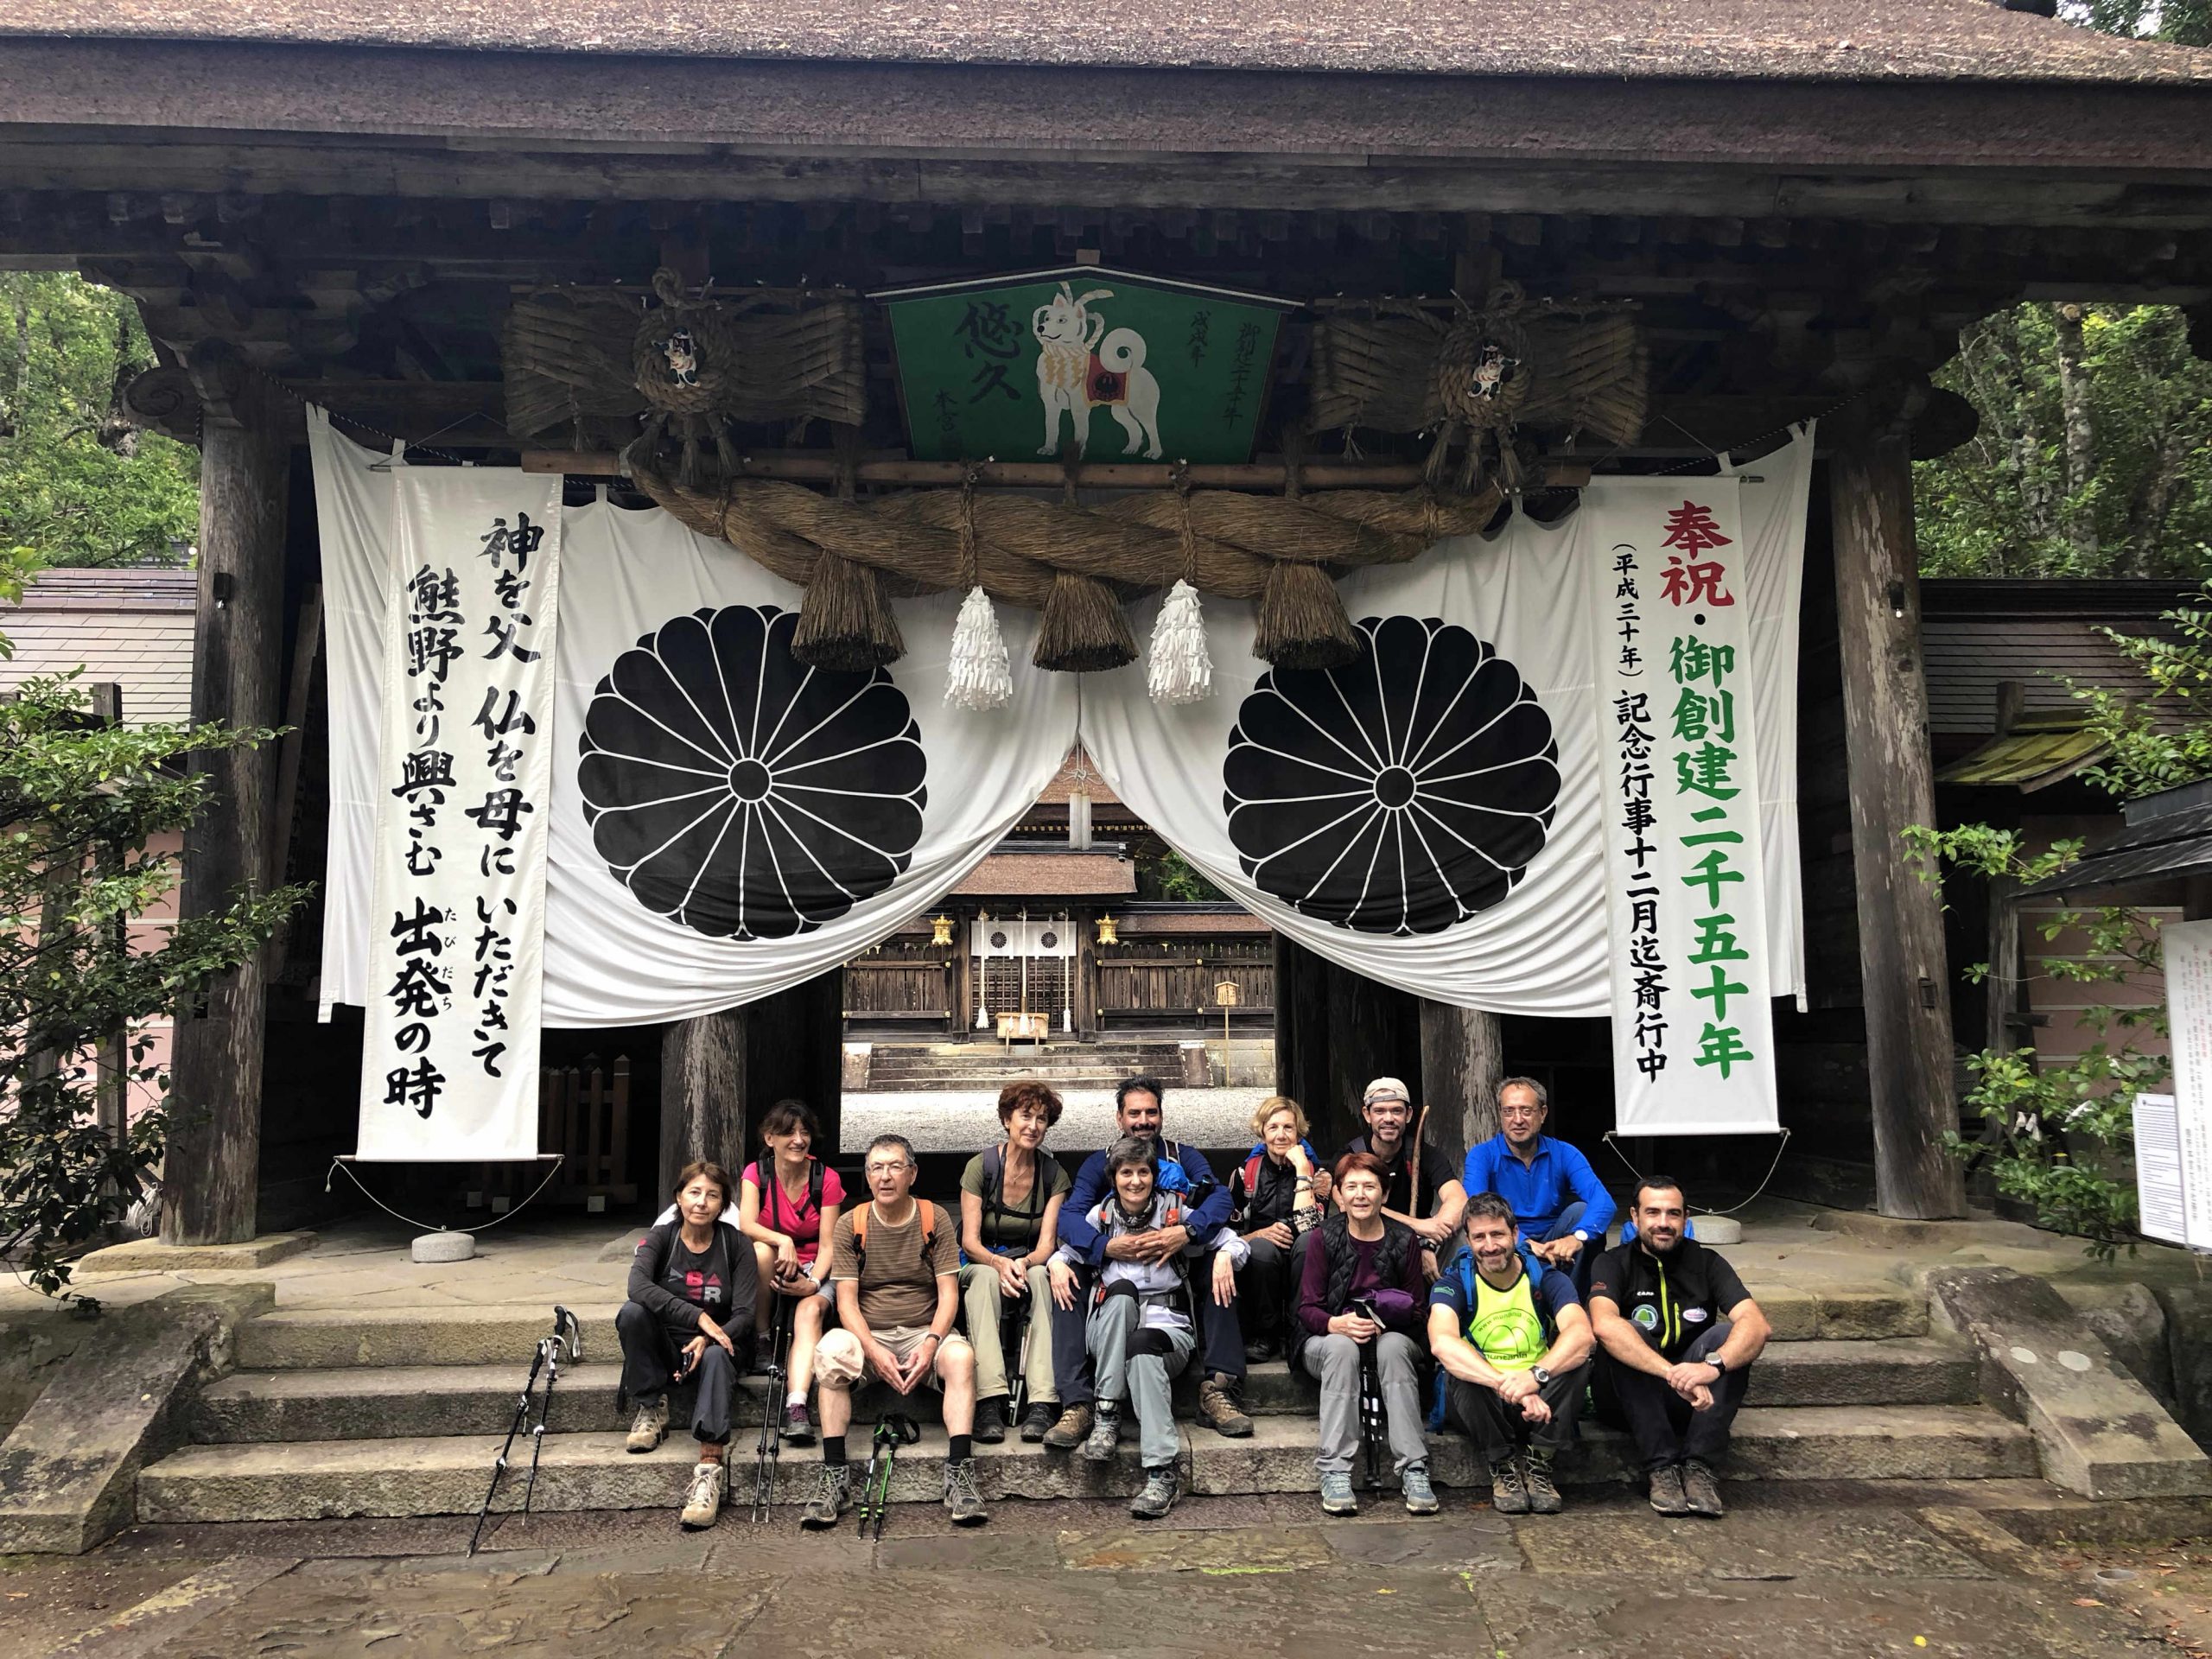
(874, 1170)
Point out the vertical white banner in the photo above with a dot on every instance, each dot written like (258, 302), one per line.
(456, 922)
(2188, 947)
(1686, 889)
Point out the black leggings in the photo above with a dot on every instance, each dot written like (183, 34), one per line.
(651, 1351)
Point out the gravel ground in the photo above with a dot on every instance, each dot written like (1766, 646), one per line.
(959, 1119)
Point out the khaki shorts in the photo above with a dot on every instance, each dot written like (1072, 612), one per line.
(839, 1363)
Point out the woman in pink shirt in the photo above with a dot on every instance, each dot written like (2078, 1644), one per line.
(789, 1206)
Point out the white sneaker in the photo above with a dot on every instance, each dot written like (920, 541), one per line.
(704, 1501)
(651, 1424)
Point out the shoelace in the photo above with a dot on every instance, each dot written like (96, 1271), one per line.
(962, 1482)
(703, 1485)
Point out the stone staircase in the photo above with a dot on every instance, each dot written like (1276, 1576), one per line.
(399, 1413)
(897, 1067)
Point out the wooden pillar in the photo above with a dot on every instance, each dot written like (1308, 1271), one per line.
(1301, 1024)
(1085, 924)
(702, 1077)
(1462, 1059)
(214, 1161)
(963, 978)
(1892, 785)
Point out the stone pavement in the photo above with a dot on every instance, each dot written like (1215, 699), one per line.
(1843, 1573)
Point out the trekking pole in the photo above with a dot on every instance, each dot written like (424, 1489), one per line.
(1371, 1398)
(1017, 1339)
(769, 1452)
(546, 1350)
(896, 1429)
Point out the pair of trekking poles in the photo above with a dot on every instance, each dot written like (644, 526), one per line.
(894, 1430)
(565, 1336)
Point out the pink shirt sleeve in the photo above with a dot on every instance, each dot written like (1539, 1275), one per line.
(833, 1190)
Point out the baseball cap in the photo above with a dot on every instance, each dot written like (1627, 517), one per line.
(1385, 1088)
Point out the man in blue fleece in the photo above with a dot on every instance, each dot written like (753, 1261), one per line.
(1564, 1209)
(1137, 1112)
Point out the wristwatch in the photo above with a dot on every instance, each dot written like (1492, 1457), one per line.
(1720, 1366)
(1543, 1377)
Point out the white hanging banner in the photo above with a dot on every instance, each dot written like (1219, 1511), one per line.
(456, 915)
(1685, 881)
(728, 822)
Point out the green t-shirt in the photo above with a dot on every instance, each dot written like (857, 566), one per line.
(1011, 1227)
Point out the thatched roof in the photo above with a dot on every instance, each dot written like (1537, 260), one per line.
(1741, 40)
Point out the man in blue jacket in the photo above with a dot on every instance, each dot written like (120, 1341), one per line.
(1564, 1209)
(1137, 1112)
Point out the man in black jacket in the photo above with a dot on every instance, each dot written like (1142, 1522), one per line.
(1677, 1333)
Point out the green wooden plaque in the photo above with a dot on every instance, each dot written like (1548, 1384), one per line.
(1082, 360)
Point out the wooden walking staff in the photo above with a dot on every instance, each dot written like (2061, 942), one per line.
(1413, 1163)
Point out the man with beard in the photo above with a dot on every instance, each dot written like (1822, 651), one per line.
(1515, 1345)
(1426, 1200)
(1206, 1218)
(1678, 1332)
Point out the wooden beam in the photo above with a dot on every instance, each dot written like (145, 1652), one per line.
(214, 1161)
(820, 467)
(1906, 987)
(1462, 1060)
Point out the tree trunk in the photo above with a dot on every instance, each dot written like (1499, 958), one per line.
(702, 1093)
(2081, 435)
(2154, 499)
(1901, 957)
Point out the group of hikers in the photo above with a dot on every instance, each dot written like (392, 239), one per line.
(1083, 1300)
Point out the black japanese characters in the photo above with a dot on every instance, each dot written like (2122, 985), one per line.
(1401, 793)
(736, 791)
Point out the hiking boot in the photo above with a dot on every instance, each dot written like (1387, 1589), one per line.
(1543, 1491)
(650, 1425)
(1161, 1489)
(1218, 1407)
(1337, 1497)
(1668, 1497)
(962, 1500)
(1700, 1490)
(1071, 1430)
(1259, 1350)
(834, 1497)
(1105, 1433)
(1420, 1496)
(704, 1501)
(1037, 1422)
(798, 1427)
(990, 1421)
(1509, 1487)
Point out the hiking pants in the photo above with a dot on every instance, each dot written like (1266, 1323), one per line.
(1586, 1260)
(1218, 1329)
(985, 1310)
(651, 1352)
(1266, 1285)
(1335, 1361)
(1139, 1362)
(1664, 1427)
(1499, 1430)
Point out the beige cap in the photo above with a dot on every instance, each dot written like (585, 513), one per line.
(1385, 1088)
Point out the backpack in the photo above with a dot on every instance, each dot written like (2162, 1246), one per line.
(774, 1192)
(995, 1188)
(860, 1230)
(1248, 1178)
(1462, 1267)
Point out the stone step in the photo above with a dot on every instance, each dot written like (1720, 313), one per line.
(448, 1474)
(317, 1339)
(357, 1403)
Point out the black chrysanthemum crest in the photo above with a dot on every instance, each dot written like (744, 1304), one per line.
(1399, 794)
(736, 791)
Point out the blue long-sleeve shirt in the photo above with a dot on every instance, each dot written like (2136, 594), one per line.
(1087, 1242)
(1557, 1176)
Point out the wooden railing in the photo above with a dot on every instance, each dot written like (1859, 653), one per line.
(1182, 985)
(898, 988)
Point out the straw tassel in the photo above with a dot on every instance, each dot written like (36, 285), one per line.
(844, 622)
(1302, 622)
(1082, 630)
(980, 678)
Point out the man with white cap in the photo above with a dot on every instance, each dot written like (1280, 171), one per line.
(1423, 1193)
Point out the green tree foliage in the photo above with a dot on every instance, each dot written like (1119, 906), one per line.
(1172, 876)
(2094, 455)
(2184, 22)
(81, 807)
(79, 485)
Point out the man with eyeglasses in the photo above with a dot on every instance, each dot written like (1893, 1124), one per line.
(1564, 1208)
(896, 1263)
